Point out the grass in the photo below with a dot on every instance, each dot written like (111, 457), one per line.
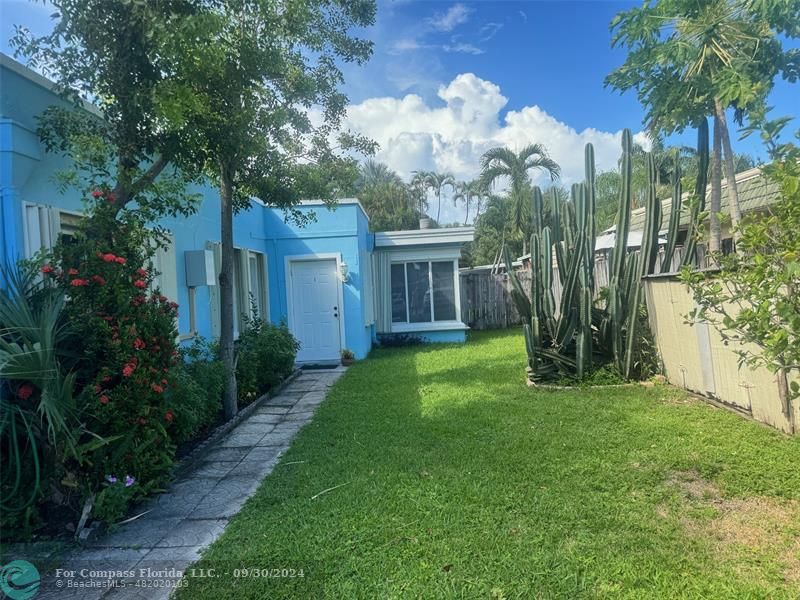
(457, 481)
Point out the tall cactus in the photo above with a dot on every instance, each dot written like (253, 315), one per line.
(644, 262)
(699, 199)
(674, 214)
(563, 343)
(616, 292)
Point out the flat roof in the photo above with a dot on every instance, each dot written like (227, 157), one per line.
(424, 237)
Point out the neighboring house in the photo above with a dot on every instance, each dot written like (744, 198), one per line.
(336, 284)
(756, 193)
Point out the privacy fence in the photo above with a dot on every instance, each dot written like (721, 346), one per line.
(486, 301)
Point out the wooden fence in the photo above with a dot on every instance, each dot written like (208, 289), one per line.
(486, 301)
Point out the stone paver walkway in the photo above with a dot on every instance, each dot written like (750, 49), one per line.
(193, 513)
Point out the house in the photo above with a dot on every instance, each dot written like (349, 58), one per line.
(756, 194)
(336, 284)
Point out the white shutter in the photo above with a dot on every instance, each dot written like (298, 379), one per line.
(367, 285)
(38, 230)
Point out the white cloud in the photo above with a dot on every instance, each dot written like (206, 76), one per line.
(456, 15)
(462, 48)
(415, 135)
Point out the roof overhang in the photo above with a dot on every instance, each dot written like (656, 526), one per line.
(424, 237)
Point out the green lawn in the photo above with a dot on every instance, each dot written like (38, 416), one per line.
(457, 481)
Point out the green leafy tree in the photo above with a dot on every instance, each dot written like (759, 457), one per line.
(689, 59)
(256, 70)
(388, 201)
(503, 163)
(754, 299)
(112, 55)
(491, 231)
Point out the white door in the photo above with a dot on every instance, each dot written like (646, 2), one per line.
(315, 309)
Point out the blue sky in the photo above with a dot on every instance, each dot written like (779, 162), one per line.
(449, 79)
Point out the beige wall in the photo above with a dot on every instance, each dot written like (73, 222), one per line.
(694, 357)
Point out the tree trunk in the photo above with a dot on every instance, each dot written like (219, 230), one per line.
(716, 191)
(730, 170)
(226, 347)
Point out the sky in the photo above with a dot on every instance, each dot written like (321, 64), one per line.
(448, 80)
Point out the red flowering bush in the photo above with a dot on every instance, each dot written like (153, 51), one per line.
(124, 341)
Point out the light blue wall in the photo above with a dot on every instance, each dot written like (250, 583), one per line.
(28, 175)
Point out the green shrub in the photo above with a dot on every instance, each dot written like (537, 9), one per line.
(195, 399)
(265, 356)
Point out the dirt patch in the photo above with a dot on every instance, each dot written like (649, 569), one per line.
(745, 531)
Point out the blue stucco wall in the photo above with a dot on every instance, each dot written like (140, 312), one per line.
(28, 175)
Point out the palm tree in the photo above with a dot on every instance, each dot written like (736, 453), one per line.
(419, 189)
(466, 192)
(503, 162)
(437, 182)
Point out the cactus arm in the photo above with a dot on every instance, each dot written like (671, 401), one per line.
(699, 199)
(674, 215)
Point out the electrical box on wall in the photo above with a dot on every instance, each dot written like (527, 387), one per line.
(199, 268)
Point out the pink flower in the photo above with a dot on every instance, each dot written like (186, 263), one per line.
(120, 260)
(79, 282)
(138, 344)
(104, 399)
(98, 280)
(97, 193)
(111, 198)
(140, 284)
(72, 272)
(157, 388)
(141, 272)
(47, 269)
(109, 257)
(25, 391)
(169, 416)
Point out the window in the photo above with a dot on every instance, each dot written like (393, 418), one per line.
(249, 285)
(424, 291)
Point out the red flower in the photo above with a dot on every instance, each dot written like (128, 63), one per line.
(72, 272)
(109, 257)
(137, 300)
(99, 280)
(141, 272)
(111, 198)
(163, 382)
(140, 284)
(173, 305)
(107, 378)
(138, 344)
(47, 269)
(120, 260)
(169, 416)
(25, 391)
(103, 399)
(157, 388)
(97, 193)
(79, 282)
(128, 369)
(97, 389)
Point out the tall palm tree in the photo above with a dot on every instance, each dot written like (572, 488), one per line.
(419, 189)
(501, 162)
(466, 192)
(437, 182)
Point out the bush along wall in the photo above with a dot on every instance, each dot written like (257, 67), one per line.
(96, 393)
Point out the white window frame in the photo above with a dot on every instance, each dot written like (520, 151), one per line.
(407, 325)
